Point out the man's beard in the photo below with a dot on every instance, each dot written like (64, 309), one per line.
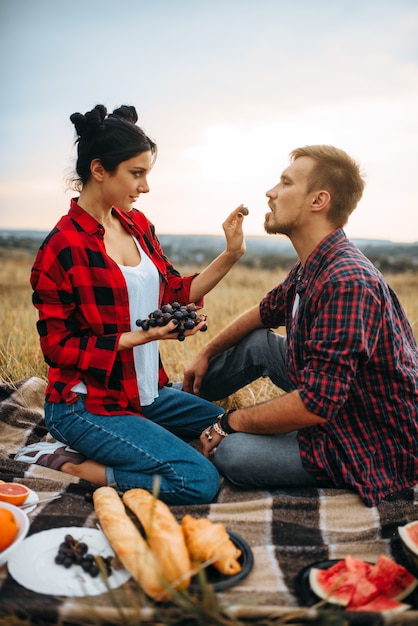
(275, 229)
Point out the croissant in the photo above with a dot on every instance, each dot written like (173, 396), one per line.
(206, 541)
(164, 536)
(128, 543)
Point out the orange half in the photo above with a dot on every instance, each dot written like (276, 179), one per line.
(13, 493)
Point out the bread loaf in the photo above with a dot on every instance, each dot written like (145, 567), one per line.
(164, 536)
(207, 541)
(128, 543)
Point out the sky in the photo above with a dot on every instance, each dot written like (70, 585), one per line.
(227, 88)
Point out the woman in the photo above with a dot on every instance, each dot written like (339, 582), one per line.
(115, 419)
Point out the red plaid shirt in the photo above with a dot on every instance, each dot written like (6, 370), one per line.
(352, 356)
(83, 306)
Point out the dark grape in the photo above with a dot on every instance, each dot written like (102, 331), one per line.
(184, 316)
(81, 548)
(86, 565)
(72, 552)
(94, 571)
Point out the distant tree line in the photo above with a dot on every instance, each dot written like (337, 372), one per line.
(396, 263)
(386, 257)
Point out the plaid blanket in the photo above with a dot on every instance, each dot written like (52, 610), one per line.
(286, 529)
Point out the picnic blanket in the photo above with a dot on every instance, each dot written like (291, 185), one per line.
(286, 529)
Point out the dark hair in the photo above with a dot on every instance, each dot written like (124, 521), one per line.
(111, 138)
(338, 173)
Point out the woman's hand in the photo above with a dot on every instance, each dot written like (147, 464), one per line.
(235, 248)
(157, 333)
(232, 227)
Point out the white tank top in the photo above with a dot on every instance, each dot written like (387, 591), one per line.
(143, 285)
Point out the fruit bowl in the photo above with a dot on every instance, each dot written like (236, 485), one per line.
(22, 521)
(409, 541)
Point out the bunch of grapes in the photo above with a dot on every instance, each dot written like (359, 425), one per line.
(73, 552)
(185, 315)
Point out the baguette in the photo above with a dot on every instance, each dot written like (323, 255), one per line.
(127, 542)
(207, 541)
(164, 536)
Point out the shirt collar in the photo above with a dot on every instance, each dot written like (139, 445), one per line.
(320, 253)
(90, 225)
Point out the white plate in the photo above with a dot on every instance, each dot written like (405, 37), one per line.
(33, 566)
(32, 497)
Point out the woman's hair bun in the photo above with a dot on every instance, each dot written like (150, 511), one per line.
(90, 122)
(111, 138)
(126, 112)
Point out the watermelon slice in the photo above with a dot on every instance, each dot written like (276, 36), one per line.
(409, 535)
(392, 579)
(362, 593)
(334, 584)
(412, 531)
(355, 584)
(383, 604)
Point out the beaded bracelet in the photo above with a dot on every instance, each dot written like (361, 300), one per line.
(221, 426)
(219, 430)
(215, 426)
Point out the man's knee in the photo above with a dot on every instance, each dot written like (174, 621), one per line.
(230, 460)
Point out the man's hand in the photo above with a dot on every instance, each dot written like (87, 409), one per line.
(209, 440)
(194, 374)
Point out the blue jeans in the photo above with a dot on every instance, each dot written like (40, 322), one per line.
(135, 450)
(255, 461)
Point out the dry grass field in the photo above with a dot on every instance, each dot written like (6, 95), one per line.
(20, 355)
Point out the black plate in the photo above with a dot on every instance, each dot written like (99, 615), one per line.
(221, 581)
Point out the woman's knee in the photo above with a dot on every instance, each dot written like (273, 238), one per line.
(201, 489)
(208, 487)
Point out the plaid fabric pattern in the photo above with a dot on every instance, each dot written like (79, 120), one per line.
(354, 359)
(287, 530)
(83, 306)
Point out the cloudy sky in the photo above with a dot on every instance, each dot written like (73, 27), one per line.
(227, 88)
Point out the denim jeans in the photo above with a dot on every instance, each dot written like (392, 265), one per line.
(247, 460)
(134, 450)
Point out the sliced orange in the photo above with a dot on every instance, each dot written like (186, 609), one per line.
(13, 493)
(8, 528)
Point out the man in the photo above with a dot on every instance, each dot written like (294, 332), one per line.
(349, 361)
